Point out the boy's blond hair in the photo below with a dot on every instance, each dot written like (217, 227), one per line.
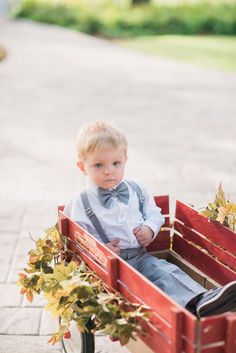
(98, 135)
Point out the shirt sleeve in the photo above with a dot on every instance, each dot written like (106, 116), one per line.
(152, 214)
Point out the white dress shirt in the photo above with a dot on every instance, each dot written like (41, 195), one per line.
(120, 219)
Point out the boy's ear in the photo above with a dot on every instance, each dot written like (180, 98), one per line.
(80, 165)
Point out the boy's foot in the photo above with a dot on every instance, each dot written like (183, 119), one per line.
(217, 301)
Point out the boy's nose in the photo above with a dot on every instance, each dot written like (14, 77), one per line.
(108, 170)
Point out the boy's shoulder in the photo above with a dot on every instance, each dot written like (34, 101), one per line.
(76, 200)
(134, 184)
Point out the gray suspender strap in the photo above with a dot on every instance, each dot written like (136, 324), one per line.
(139, 192)
(93, 218)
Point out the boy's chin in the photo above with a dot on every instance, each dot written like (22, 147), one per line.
(109, 184)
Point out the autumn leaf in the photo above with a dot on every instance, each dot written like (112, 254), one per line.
(29, 295)
(53, 339)
(74, 292)
(222, 213)
(221, 210)
(23, 290)
(62, 271)
(22, 275)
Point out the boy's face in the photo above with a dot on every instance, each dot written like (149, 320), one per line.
(105, 167)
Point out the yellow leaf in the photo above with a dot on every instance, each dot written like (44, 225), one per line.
(62, 272)
(223, 211)
(52, 307)
(53, 234)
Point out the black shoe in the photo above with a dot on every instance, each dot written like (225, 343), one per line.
(217, 301)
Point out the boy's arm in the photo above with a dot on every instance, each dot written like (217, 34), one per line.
(152, 214)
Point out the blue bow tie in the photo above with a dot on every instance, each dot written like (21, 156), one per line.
(121, 192)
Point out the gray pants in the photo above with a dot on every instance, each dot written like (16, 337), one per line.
(166, 276)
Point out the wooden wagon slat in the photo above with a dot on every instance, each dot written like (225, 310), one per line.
(212, 230)
(146, 291)
(161, 242)
(202, 261)
(162, 201)
(213, 329)
(190, 235)
(177, 329)
(158, 321)
(93, 265)
(156, 341)
(230, 344)
(212, 349)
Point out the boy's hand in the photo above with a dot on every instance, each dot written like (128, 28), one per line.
(114, 246)
(144, 235)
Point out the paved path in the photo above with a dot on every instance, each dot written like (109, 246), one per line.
(180, 121)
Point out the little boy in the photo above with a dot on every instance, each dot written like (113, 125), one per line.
(123, 215)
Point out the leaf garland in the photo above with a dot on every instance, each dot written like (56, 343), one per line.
(74, 292)
(221, 210)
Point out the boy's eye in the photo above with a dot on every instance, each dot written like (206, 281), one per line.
(116, 163)
(98, 165)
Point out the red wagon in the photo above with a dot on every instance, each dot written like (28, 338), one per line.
(202, 248)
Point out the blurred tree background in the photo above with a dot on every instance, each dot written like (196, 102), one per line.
(162, 27)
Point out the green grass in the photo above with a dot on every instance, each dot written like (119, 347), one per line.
(209, 51)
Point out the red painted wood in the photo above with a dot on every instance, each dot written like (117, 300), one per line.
(212, 329)
(212, 349)
(161, 242)
(213, 249)
(112, 268)
(202, 261)
(170, 320)
(93, 265)
(154, 339)
(212, 230)
(188, 347)
(177, 330)
(146, 291)
(162, 201)
(64, 226)
(67, 335)
(159, 322)
(96, 249)
(103, 273)
(230, 346)
(190, 323)
(60, 208)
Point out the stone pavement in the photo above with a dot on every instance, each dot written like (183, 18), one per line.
(179, 119)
